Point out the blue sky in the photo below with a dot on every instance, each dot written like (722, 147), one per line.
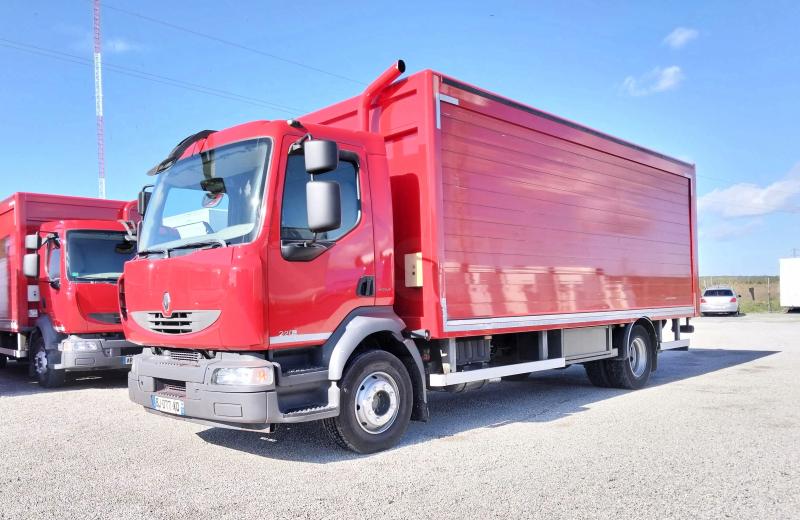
(715, 83)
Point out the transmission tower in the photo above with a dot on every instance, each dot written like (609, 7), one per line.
(98, 105)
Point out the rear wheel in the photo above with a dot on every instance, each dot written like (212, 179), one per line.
(633, 372)
(376, 401)
(40, 365)
(597, 374)
(3, 361)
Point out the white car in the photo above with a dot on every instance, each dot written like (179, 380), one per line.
(719, 300)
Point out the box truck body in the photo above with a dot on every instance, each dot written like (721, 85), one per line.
(426, 235)
(524, 219)
(67, 314)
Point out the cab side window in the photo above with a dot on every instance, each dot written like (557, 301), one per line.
(54, 262)
(294, 219)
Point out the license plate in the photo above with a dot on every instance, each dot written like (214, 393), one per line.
(128, 360)
(165, 404)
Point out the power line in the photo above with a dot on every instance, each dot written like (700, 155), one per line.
(148, 76)
(231, 43)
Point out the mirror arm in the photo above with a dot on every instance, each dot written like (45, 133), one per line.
(298, 145)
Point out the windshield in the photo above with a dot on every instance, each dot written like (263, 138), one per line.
(211, 198)
(718, 292)
(97, 255)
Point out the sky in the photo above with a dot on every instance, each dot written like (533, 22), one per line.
(715, 83)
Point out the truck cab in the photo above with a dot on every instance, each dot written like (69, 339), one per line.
(75, 265)
(220, 291)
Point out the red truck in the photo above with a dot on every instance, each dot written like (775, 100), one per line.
(60, 258)
(424, 235)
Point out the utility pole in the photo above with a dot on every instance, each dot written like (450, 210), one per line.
(769, 295)
(98, 105)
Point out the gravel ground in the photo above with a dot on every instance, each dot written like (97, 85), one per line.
(716, 434)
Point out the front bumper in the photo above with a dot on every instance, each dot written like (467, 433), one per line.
(189, 381)
(113, 354)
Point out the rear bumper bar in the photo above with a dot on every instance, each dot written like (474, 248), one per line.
(256, 408)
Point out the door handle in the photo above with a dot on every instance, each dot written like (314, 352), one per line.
(366, 286)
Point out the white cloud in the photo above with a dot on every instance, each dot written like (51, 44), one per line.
(657, 80)
(680, 36)
(120, 45)
(747, 199)
(114, 45)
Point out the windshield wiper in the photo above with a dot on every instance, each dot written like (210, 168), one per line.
(92, 278)
(210, 243)
(148, 252)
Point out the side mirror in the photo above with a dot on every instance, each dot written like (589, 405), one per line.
(321, 156)
(32, 242)
(143, 200)
(324, 206)
(30, 264)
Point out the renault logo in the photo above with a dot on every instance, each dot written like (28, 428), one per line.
(165, 303)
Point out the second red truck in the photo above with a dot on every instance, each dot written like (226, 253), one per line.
(60, 258)
(425, 235)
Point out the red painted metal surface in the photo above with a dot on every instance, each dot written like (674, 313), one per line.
(519, 213)
(69, 306)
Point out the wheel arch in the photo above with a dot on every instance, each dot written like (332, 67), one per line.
(377, 328)
(623, 338)
(44, 326)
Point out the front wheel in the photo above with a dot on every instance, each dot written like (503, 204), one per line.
(40, 365)
(376, 401)
(633, 372)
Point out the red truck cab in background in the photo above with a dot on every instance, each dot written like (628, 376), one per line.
(424, 235)
(60, 258)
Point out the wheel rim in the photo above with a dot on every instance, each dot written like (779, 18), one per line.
(637, 356)
(376, 403)
(40, 362)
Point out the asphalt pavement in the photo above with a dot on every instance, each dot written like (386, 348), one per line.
(715, 435)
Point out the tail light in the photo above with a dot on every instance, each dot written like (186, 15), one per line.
(702, 300)
(733, 300)
(123, 309)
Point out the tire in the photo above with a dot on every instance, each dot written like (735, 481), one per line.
(3, 361)
(371, 419)
(40, 361)
(633, 372)
(517, 377)
(597, 373)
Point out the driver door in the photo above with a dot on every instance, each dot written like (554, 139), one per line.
(308, 299)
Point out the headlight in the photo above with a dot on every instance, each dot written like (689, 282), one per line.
(73, 345)
(242, 376)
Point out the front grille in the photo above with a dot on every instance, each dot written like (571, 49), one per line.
(171, 388)
(183, 355)
(179, 322)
